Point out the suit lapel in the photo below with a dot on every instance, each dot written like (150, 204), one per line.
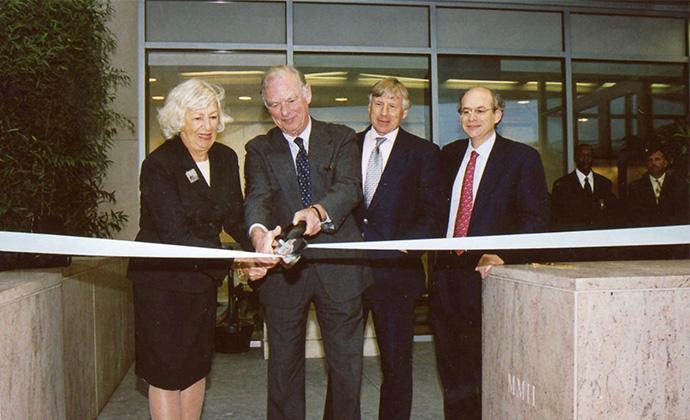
(495, 166)
(320, 154)
(281, 161)
(218, 173)
(192, 172)
(394, 165)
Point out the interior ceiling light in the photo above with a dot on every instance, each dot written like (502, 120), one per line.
(244, 98)
(222, 73)
(523, 102)
(328, 75)
(479, 82)
(152, 79)
(401, 78)
(583, 119)
(158, 98)
(341, 99)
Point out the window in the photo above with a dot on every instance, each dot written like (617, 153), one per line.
(620, 106)
(238, 73)
(341, 83)
(533, 94)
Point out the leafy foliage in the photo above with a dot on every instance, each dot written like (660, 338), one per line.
(57, 87)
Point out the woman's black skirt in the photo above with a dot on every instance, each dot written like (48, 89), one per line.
(174, 334)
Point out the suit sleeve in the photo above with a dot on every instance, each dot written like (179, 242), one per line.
(258, 182)
(429, 198)
(345, 192)
(532, 196)
(233, 222)
(531, 206)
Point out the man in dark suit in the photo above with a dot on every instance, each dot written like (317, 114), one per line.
(307, 170)
(402, 200)
(583, 200)
(658, 198)
(498, 187)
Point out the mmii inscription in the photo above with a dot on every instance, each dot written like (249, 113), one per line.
(520, 388)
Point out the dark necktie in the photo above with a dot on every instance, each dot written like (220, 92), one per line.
(303, 174)
(462, 219)
(374, 170)
(588, 188)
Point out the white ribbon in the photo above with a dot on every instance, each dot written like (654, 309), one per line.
(666, 235)
(75, 245)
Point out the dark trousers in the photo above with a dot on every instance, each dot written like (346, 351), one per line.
(342, 332)
(393, 315)
(456, 319)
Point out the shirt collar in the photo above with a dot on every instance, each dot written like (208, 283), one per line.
(304, 135)
(660, 179)
(390, 137)
(485, 147)
(582, 176)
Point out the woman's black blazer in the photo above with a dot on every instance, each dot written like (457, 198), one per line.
(178, 207)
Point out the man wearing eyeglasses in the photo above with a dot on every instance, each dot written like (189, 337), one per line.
(497, 186)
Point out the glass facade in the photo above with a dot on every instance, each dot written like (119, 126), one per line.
(572, 76)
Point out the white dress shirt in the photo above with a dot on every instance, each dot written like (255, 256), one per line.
(660, 179)
(294, 149)
(483, 151)
(385, 148)
(581, 177)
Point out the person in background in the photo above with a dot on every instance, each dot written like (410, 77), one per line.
(401, 186)
(190, 191)
(583, 200)
(497, 186)
(658, 198)
(305, 170)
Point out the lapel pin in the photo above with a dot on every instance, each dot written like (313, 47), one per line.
(192, 176)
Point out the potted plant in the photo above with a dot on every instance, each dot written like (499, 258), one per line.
(57, 124)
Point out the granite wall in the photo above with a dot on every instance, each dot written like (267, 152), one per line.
(66, 339)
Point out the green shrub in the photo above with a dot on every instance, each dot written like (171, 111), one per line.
(57, 87)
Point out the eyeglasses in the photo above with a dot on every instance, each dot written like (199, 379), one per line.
(479, 112)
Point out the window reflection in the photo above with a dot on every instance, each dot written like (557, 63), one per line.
(341, 84)
(533, 93)
(619, 107)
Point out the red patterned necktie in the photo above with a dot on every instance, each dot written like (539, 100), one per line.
(462, 219)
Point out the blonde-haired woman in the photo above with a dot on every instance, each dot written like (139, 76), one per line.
(190, 190)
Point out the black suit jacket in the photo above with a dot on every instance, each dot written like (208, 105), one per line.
(272, 198)
(408, 204)
(672, 209)
(512, 195)
(178, 207)
(573, 209)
